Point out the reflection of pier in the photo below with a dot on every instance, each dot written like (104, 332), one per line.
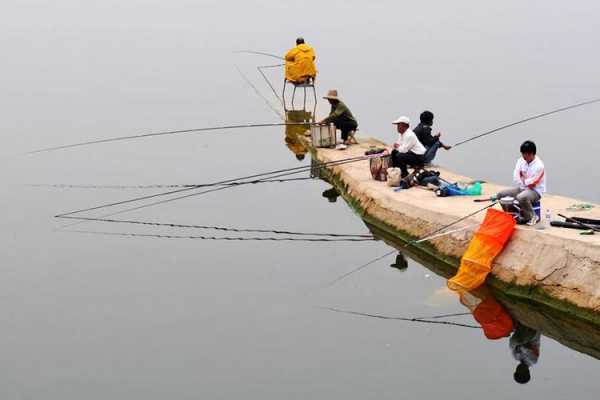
(570, 331)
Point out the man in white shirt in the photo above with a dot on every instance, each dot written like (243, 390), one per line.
(530, 178)
(407, 149)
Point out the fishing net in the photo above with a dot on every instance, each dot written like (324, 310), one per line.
(488, 242)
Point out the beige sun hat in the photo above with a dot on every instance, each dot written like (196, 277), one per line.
(332, 95)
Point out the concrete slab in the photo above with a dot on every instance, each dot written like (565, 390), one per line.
(559, 261)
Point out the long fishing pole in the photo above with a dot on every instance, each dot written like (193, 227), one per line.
(260, 53)
(408, 319)
(153, 134)
(431, 234)
(285, 172)
(271, 106)
(226, 238)
(221, 228)
(155, 186)
(558, 110)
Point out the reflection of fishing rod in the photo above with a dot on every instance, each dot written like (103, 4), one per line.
(226, 238)
(426, 320)
(145, 135)
(260, 53)
(281, 172)
(528, 119)
(347, 274)
(221, 228)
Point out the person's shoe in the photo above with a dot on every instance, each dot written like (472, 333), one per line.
(341, 146)
(521, 221)
(533, 221)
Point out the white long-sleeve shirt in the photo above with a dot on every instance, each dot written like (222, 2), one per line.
(530, 175)
(408, 141)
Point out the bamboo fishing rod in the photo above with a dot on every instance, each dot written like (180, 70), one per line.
(267, 102)
(176, 132)
(531, 118)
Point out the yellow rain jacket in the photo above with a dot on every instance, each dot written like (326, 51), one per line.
(300, 63)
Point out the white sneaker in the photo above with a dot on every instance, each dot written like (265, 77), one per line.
(533, 221)
(341, 146)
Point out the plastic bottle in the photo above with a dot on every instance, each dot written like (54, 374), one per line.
(547, 218)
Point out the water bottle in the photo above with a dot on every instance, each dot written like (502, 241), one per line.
(547, 218)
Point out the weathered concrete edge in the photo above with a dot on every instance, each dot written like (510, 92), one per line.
(524, 292)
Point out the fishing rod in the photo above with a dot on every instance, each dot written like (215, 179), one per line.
(558, 110)
(284, 172)
(271, 106)
(156, 186)
(260, 53)
(220, 228)
(153, 134)
(323, 165)
(430, 320)
(226, 238)
(444, 234)
(432, 234)
(259, 68)
(347, 274)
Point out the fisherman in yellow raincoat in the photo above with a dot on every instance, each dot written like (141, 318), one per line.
(300, 63)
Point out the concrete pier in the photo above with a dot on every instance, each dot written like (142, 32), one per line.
(555, 266)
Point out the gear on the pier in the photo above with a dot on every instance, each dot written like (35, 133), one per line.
(488, 242)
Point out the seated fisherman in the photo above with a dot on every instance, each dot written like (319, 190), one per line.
(530, 178)
(300, 63)
(407, 149)
(341, 117)
(431, 142)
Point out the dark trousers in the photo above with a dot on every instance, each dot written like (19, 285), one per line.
(346, 127)
(403, 160)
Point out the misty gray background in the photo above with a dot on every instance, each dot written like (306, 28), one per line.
(96, 317)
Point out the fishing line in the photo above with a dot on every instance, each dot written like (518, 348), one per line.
(145, 135)
(444, 233)
(386, 317)
(286, 171)
(271, 106)
(226, 238)
(220, 228)
(260, 53)
(528, 119)
(156, 186)
(347, 274)
(269, 82)
(451, 224)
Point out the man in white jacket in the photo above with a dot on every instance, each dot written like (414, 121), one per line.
(407, 149)
(530, 178)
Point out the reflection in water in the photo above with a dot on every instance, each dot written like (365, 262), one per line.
(331, 194)
(401, 262)
(294, 133)
(525, 346)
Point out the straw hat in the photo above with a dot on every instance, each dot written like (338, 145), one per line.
(332, 95)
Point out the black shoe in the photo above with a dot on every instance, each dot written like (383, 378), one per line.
(521, 220)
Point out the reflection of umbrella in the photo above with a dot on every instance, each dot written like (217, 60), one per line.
(401, 262)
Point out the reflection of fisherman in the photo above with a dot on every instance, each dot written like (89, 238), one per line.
(341, 117)
(401, 262)
(293, 143)
(525, 347)
(300, 63)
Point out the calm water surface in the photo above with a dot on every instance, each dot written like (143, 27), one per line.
(88, 316)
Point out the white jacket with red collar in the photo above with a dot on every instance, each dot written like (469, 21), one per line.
(530, 175)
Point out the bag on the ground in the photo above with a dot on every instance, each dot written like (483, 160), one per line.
(379, 166)
(393, 177)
